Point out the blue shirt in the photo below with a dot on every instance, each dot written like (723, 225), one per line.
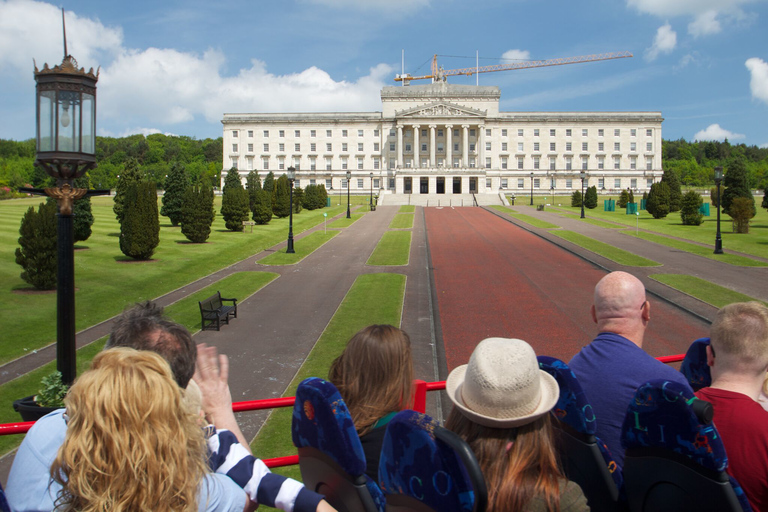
(30, 487)
(610, 369)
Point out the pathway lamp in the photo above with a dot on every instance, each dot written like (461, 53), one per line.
(531, 188)
(349, 177)
(718, 239)
(583, 175)
(291, 178)
(370, 203)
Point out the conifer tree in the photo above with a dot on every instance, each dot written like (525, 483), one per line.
(140, 228)
(281, 205)
(658, 200)
(269, 182)
(234, 202)
(176, 185)
(736, 185)
(197, 212)
(675, 193)
(253, 184)
(576, 198)
(623, 199)
(630, 196)
(690, 211)
(310, 197)
(590, 197)
(764, 204)
(298, 198)
(38, 252)
(131, 174)
(262, 209)
(82, 216)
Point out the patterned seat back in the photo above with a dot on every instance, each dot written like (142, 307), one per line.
(673, 456)
(331, 457)
(586, 459)
(695, 367)
(423, 464)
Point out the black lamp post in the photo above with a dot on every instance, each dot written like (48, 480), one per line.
(583, 175)
(349, 177)
(370, 203)
(718, 239)
(291, 178)
(531, 188)
(66, 149)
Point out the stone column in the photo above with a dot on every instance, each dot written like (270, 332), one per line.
(449, 145)
(432, 146)
(416, 147)
(400, 147)
(481, 147)
(465, 145)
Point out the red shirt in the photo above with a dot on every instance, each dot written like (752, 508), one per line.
(743, 426)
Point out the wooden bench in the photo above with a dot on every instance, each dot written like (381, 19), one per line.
(213, 311)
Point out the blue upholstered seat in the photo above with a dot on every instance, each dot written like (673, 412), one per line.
(423, 464)
(674, 456)
(331, 457)
(695, 367)
(586, 459)
(4, 507)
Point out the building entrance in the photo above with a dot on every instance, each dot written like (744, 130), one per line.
(457, 185)
(440, 185)
(473, 185)
(424, 185)
(408, 185)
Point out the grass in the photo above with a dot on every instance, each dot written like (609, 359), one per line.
(533, 221)
(344, 222)
(372, 299)
(700, 250)
(608, 251)
(394, 248)
(303, 248)
(407, 208)
(711, 293)
(106, 281)
(401, 221)
(186, 312)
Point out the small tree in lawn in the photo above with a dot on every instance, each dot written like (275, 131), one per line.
(38, 252)
(736, 185)
(281, 200)
(234, 202)
(197, 212)
(130, 175)
(690, 212)
(323, 196)
(298, 198)
(269, 182)
(253, 185)
(262, 209)
(176, 185)
(576, 198)
(140, 229)
(630, 196)
(590, 197)
(658, 200)
(82, 216)
(623, 199)
(310, 197)
(713, 199)
(764, 204)
(675, 193)
(741, 212)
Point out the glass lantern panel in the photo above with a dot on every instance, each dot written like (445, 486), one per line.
(89, 124)
(46, 121)
(69, 121)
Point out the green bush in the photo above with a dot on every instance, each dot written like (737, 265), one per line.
(576, 198)
(675, 193)
(690, 212)
(658, 200)
(130, 175)
(713, 199)
(742, 210)
(38, 252)
(623, 199)
(262, 210)
(52, 392)
(590, 197)
(281, 205)
(197, 213)
(82, 216)
(298, 198)
(234, 202)
(269, 182)
(736, 184)
(630, 196)
(176, 185)
(314, 197)
(140, 228)
(253, 185)
(764, 204)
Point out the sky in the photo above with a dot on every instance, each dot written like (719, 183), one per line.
(176, 67)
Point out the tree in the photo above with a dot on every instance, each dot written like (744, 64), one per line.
(690, 210)
(176, 185)
(590, 198)
(253, 185)
(630, 196)
(764, 204)
(197, 212)
(658, 200)
(262, 209)
(298, 198)
(713, 196)
(623, 199)
(675, 193)
(281, 205)
(576, 198)
(130, 175)
(82, 216)
(234, 202)
(38, 252)
(736, 185)
(140, 228)
(269, 182)
(741, 212)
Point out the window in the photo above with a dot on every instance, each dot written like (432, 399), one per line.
(456, 162)
(392, 164)
(297, 133)
(472, 147)
(649, 164)
(568, 163)
(375, 147)
(553, 146)
(281, 147)
(376, 132)
(504, 183)
(312, 181)
(633, 132)
(601, 146)
(376, 163)
(266, 148)
(281, 164)
(328, 147)
(328, 164)
(649, 182)
(266, 133)
(487, 132)
(535, 162)
(344, 183)
(471, 132)
(649, 146)
(456, 132)
(503, 146)
(519, 132)
(535, 146)
(250, 148)
(456, 147)
(584, 163)
(423, 147)
(313, 133)
(265, 163)
(633, 146)
(536, 132)
(536, 183)
(392, 183)
(234, 133)
(360, 183)
(344, 164)
(552, 132)
(601, 183)
(600, 132)
(281, 133)
(250, 133)
(585, 146)
(234, 148)
(376, 183)
(488, 162)
(439, 133)
(234, 163)
(360, 165)
(520, 146)
(440, 147)
(617, 132)
(359, 133)
(503, 163)
(633, 163)
(392, 133)
(504, 132)
(328, 133)
(487, 182)
(584, 132)
(617, 162)
(423, 133)
(343, 133)
(297, 147)
(568, 132)
(569, 146)
(487, 146)
(520, 183)
(407, 148)
(552, 163)
(344, 147)
(617, 146)
(633, 183)
(569, 183)
(359, 146)
(601, 163)
(519, 162)
(649, 133)
(617, 183)
(312, 164)
(313, 147)
(392, 146)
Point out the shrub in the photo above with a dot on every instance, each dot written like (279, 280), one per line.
(675, 193)
(314, 197)
(590, 198)
(197, 213)
(742, 210)
(38, 252)
(52, 392)
(131, 174)
(736, 185)
(281, 205)
(764, 204)
(690, 212)
(658, 200)
(140, 229)
(262, 209)
(252, 184)
(176, 185)
(269, 182)
(630, 196)
(576, 198)
(713, 199)
(623, 199)
(234, 202)
(82, 216)
(298, 198)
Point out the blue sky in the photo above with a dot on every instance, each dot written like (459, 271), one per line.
(177, 66)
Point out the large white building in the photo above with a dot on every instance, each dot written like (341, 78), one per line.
(443, 139)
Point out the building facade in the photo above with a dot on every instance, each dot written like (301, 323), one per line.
(442, 139)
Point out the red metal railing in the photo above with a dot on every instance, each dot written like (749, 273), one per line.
(420, 389)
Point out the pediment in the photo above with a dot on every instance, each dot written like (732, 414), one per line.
(441, 109)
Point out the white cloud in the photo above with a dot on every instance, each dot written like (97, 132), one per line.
(664, 42)
(705, 24)
(764, 146)
(371, 5)
(708, 15)
(516, 55)
(759, 82)
(716, 132)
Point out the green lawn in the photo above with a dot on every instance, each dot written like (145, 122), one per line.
(701, 250)
(372, 299)
(608, 251)
(106, 281)
(394, 248)
(240, 285)
(407, 208)
(302, 248)
(401, 221)
(706, 291)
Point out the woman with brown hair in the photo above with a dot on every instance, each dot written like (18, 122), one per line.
(374, 375)
(501, 408)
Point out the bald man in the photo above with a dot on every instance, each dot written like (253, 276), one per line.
(614, 365)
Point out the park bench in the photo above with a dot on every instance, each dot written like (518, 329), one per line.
(213, 311)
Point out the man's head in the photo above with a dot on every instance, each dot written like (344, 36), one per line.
(621, 306)
(143, 327)
(739, 340)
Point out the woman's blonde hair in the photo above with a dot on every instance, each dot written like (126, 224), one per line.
(130, 443)
(374, 374)
(518, 463)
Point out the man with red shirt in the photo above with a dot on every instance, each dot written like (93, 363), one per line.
(738, 359)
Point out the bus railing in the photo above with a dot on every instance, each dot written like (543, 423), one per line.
(420, 390)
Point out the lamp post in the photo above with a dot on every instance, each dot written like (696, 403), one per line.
(66, 149)
(370, 203)
(291, 178)
(718, 239)
(349, 177)
(531, 188)
(583, 175)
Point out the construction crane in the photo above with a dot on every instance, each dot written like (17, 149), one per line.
(439, 74)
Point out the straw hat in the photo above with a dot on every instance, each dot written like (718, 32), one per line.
(502, 386)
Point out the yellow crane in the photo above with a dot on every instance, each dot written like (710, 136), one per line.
(439, 74)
